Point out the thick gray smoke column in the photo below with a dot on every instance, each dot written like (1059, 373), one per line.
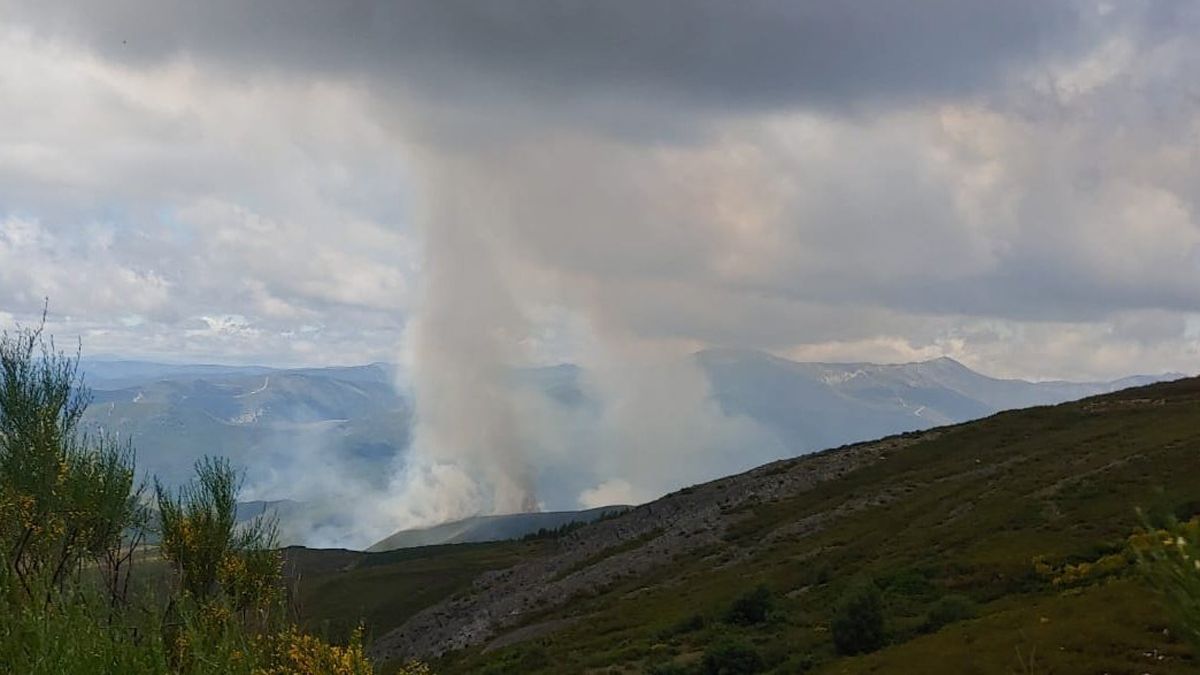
(469, 449)
(511, 226)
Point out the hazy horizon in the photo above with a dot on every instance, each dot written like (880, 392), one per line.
(154, 360)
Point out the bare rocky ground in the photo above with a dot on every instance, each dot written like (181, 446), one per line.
(497, 610)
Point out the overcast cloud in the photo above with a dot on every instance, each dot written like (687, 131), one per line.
(1013, 184)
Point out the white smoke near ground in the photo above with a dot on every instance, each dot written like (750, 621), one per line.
(660, 428)
(316, 485)
(609, 492)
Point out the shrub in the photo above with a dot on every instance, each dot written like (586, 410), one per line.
(1169, 560)
(210, 553)
(949, 609)
(857, 625)
(731, 657)
(909, 582)
(65, 497)
(292, 651)
(751, 607)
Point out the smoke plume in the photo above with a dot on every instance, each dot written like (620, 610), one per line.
(501, 253)
(469, 441)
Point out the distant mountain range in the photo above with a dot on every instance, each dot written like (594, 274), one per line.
(279, 422)
(813, 406)
(258, 417)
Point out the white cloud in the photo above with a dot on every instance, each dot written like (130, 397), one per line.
(83, 268)
(175, 194)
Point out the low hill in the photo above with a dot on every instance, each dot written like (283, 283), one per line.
(989, 513)
(493, 528)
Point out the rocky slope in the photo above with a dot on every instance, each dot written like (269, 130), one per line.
(649, 536)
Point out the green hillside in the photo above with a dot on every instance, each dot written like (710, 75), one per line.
(340, 589)
(971, 526)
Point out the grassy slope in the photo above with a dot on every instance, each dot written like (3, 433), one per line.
(340, 589)
(965, 513)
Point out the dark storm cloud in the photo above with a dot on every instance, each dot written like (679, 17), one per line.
(708, 53)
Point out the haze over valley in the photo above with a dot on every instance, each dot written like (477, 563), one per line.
(323, 446)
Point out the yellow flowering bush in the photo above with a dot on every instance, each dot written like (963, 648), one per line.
(293, 652)
(1150, 543)
(66, 497)
(1169, 559)
(414, 668)
(212, 555)
(1086, 572)
(251, 578)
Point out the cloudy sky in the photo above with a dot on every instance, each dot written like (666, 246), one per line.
(1013, 184)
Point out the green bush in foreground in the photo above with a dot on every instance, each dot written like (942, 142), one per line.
(66, 499)
(71, 521)
(78, 634)
(858, 623)
(1169, 560)
(210, 552)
